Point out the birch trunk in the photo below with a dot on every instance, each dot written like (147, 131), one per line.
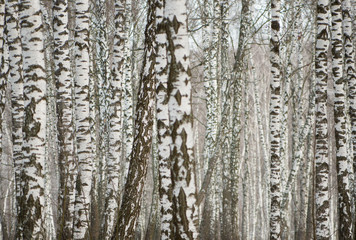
(180, 118)
(163, 130)
(275, 118)
(82, 116)
(235, 113)
(131, 202)
(351, 82)
(210, 87)
(154, 222)
(300, 148)
(322, 200)
(227, 230)
(34, 129)
(99, 109)
(127, 108)
(343, 171)
(350, 75)
(51, 133)
(64, 82)
(15, 78)
(115, 134)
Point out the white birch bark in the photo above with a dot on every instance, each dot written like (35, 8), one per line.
(235, 116)
(209, 34)
(131, 202)
(305, 191)
(350, 75)
(127, 93)
(17, 100)
(34, 130)
(275, 115)
(99, 108)
(210, 84)
(216, 67)
(322, 200)
(180, 117)
(64, 82)
(82, 116)
(300, 148)
(154, 221)
(51, 121)
(287, 52)
(247, 176)
(163, 130)
(227, 230)
(343, 170)
(115, 134)
(101, 72)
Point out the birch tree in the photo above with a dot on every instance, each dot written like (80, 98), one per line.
(180, 121)
(64, 82)
(210, 33)
(227, 229)
(350, 78)
(127, 108)
(99, 107)
(322, 202)
(350, 73)
(343, 168)
(132, 195)
(34, 133)
(239, 67)
(112, 199)
(82, 116)
(275, 112)
(163, 131)
(15, 78)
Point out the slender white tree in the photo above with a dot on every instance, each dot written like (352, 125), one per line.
(15, 79)
(127, 85)
(350, 74)
(115, 134)
(133, 190)
(163, 131)
(34, 129)
(82, 116)
(64, 82)
(227, 230)
(343, 168)
(275, 115)
(322, 201)
(210, 33)
(236, 112)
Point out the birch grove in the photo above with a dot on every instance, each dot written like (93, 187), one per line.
(176, 119)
